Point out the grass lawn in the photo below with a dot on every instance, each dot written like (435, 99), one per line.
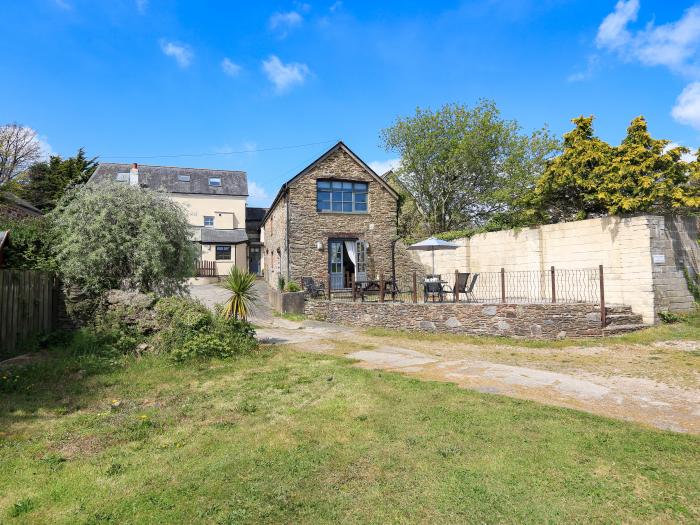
(286, 437)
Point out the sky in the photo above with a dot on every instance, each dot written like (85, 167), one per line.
(268, 86)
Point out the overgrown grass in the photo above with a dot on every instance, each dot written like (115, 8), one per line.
(290, 316)
(285, 437)
(688, 328)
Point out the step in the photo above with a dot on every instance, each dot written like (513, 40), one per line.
(623, 328)
(618, 309)
(623, 319)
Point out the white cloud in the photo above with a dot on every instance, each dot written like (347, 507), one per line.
(182, 53)
(230, 68)
(687, 108)
(282, 75)
(674, 45)
(141, 6)
(380, 167)
(285, 22)
(336, 5)
(258, 195)
(613, 32)
(686, 157)
(63, 4)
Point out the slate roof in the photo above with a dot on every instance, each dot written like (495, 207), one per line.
(166, 178)
(340, 145)
(14, 200)
(212, 235)
(4, 236)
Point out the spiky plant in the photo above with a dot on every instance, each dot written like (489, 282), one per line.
(243, 295)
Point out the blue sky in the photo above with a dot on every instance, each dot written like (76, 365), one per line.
(130, 79)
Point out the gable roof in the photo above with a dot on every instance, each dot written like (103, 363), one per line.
(166, 178)
(339, 146)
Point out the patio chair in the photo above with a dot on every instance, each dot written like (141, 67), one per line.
(313, 289)
(432, 287)
(460, 285)
(469, 292)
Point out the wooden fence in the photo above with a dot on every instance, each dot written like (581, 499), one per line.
(29, 303)
(206, 268)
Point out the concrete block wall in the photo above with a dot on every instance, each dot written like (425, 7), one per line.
(628, 248)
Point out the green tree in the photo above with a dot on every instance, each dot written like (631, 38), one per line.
(593, 178)
(465, 165)
(44, 183)
(113, 235)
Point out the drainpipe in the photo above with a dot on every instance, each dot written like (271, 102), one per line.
(286, 230)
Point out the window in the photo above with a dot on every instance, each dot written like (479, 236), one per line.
(223, 253)
(122, 177)
(214, 181)
(341, 196)
(183, 178)
(208, 220)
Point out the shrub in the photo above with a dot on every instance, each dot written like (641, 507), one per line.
(116, 236)
(292, 286)
(187, 329)
(280, 283)
(30, 244)
(669, 317)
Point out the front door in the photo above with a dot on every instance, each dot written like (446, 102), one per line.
(335, 264)
(254, 260)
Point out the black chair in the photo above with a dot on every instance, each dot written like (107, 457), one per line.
(469, 292)
(460, 285)
(312, 289)
(432, 287)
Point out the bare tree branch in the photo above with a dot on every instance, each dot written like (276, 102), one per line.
(19, 147)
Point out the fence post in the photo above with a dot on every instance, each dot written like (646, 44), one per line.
(415, 288)
(554, 286)
(381, 287)
(454, 287)
(352, 285)
(328, 292)
(603, 319)
(503, 285)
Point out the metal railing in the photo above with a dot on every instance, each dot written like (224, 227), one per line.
(562, 286)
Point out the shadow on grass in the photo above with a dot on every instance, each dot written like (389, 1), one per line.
(56, 379)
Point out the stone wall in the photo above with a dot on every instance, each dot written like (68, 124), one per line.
(274, 251)
(548, 321)
(642, 256)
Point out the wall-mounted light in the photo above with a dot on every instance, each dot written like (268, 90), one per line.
(319, 245)
(366, 246)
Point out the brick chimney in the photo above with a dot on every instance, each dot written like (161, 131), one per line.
(134, 175)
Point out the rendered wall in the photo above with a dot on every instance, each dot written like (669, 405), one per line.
(643, 257)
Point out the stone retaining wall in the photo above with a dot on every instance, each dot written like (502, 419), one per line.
(549, 321)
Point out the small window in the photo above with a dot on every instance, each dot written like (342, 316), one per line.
(223, 253)
(122, 177)
(183, 178)
(214, 181)
(208, 220)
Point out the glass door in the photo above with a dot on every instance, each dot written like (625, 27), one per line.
(361, 264)
(335, 264)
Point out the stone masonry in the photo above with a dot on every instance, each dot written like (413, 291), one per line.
(548, 321)
(307, 227)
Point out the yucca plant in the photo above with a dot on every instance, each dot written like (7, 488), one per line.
(243, 295)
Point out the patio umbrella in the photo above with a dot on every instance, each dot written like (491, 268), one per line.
(432, 244)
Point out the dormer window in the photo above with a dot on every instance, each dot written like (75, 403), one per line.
(341, 196)
(183, 178)
(214, 181)
(122, 177)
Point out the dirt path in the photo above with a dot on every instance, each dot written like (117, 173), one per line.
(656, 385)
